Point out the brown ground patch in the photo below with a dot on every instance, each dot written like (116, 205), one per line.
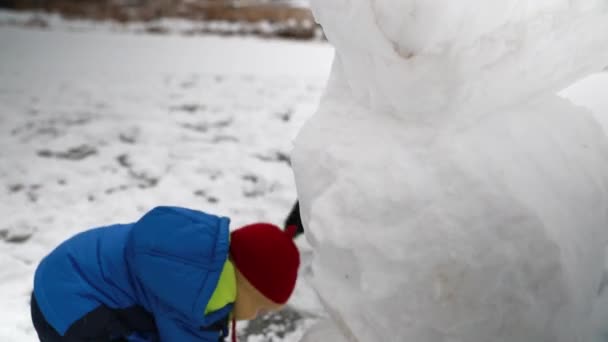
(289, 21)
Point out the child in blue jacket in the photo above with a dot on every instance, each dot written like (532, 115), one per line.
(176, 275)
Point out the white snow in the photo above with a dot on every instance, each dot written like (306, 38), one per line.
(448, 193)
(97, 127)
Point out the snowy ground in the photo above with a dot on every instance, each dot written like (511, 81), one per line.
(97, 127)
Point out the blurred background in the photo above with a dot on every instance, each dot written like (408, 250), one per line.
(109, 108)
(282, 18)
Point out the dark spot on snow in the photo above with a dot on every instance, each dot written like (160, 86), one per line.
(199, 127)
(17, 130)
(251, 178)
(78, 153)
(61, 182)
(45, 153)
(147, 182)
(123, 160)
(204, 127)
(277, 324)
(286, 115)
(218, 78)
(16, 233)
(26, 261)
(224, 138)
(404, 53)
(32, 197)
(203, 193)
(283, 157)
(12, 188)
(78, 121)
(155, 29)
(18, 238)
(35, 186)
(144, 180)
(190, 108)
(188, 84)
(215, 175)
(279, 157)
(74, 153)
(222, 123)
(91, 198)
(110, 191)
(127, 138)
(253, 193)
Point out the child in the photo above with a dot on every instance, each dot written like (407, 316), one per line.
(176, 275)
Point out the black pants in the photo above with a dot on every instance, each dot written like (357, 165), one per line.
(46, 333)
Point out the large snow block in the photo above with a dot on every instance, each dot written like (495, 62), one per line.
(447, 193)
(494, 231)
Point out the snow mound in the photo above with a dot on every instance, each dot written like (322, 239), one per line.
(447, 192)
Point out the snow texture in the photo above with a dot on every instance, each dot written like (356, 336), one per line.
(449, 194)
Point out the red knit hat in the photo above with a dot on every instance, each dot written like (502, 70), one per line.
(268, 258)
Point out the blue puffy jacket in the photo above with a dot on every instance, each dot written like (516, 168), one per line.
(165, 266)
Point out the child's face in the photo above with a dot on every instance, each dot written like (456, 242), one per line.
(250, 303)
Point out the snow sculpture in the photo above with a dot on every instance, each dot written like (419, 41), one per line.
(447, 192)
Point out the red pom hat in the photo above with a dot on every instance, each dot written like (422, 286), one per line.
(268, 258)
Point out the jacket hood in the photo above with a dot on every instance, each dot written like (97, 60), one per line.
(176, 256)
